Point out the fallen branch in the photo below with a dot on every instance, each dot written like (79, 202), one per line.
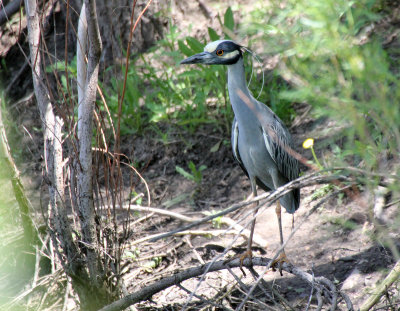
(159, 211)
(224, 220)
(310, 278)
(181, 233)
(257, 239)
(193, 232)
(319, 283)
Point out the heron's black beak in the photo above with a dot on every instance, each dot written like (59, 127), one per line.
(201, 58)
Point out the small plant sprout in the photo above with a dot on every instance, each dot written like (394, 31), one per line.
(309, 144)
(195, 174)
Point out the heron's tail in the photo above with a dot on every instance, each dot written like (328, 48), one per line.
(291, 201)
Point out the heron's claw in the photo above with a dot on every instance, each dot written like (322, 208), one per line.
(247, 254)
(279, 262)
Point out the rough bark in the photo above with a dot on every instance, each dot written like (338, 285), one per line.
(85, 132)
(59, 225)
(52, 135)
(114, 20)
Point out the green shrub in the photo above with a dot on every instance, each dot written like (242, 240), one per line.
(333, 66)
(158, 89)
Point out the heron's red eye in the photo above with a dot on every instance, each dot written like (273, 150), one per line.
(220, 52)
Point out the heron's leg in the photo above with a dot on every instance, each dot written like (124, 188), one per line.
(278, 211)
(249, 253)
(282, 256)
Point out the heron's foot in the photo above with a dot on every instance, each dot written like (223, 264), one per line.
(247, 254)
(282, 258)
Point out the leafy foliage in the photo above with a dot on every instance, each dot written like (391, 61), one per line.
(159, 90)
(335, 63)
(325, 58)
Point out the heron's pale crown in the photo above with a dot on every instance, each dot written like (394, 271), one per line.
(212, 46)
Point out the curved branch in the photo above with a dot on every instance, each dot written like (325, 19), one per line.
(147, 292)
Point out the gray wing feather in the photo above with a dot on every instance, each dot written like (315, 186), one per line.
(234, 143)
(234, 140)
(279, 145)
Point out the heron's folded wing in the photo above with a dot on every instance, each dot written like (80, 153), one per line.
(279, 145)
(234, 142)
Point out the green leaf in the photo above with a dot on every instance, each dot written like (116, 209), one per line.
(176, 200)
(215, 148)
(202, 168)
(228, 19)
(213, 34)
(185, 174)
(195, 44)
(184, 49)
(192, 167)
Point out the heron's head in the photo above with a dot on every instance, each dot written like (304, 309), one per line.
(221, 52)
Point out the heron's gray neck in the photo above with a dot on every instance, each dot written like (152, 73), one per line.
(239, 93)
(237, 77)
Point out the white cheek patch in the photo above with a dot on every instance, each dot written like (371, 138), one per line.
(230, 55)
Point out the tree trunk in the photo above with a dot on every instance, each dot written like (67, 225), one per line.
(114, 21)
(89, 262)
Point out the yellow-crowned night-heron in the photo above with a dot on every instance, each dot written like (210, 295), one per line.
(261, 143)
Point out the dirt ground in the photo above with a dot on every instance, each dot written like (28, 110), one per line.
(337, 241)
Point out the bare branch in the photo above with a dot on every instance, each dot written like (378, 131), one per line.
(186, 232)
(159, 211)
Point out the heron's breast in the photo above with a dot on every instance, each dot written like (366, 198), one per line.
(255, 156)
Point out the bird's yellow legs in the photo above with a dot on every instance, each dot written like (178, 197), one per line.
(278, 211)
(249, 253)
(282, 256)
